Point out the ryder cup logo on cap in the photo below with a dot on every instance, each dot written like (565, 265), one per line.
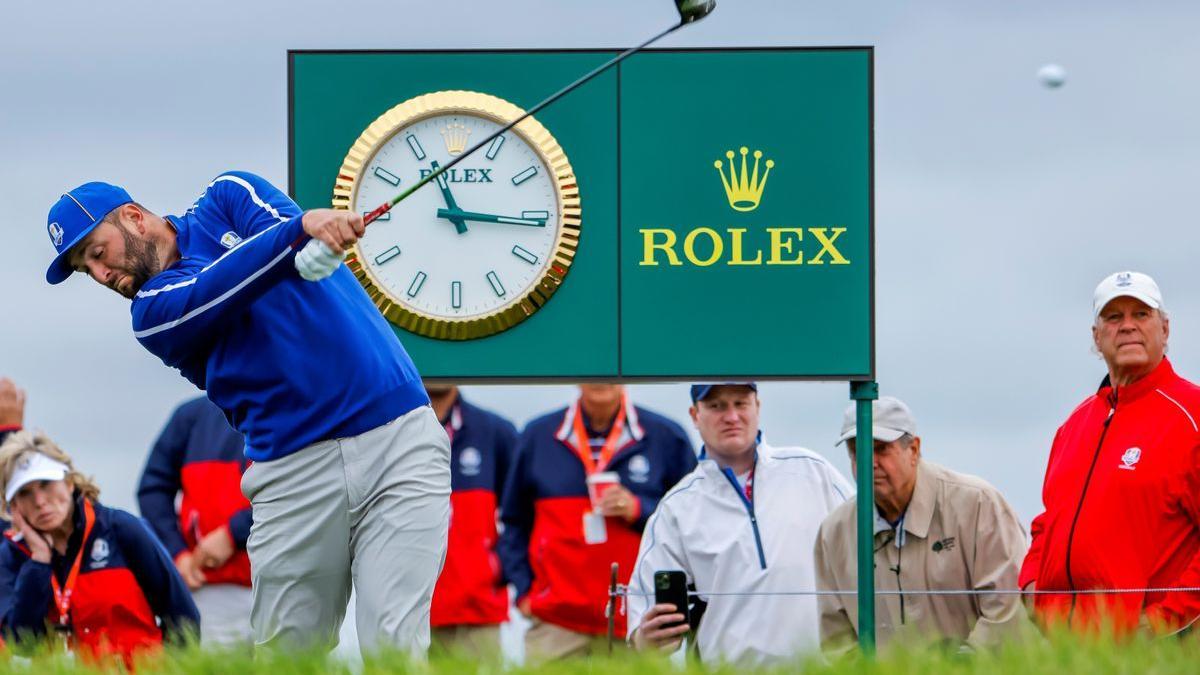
(33, 467)
(74, 216)
(1126, 284)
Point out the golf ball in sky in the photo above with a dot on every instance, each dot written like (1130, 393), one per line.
(1052, 75)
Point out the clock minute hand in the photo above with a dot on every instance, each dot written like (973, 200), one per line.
(459, 224)
(453, 213)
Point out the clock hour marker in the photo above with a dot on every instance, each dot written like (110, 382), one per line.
(495, 147)
(456, 294)
(525, 255)
(524, 175)
(416, 146)
(535, 215)
(387, 255)
(415, 286)
(495, 282)
(385, 216)
(387, 176)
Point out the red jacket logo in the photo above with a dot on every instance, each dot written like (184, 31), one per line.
(1130, 459)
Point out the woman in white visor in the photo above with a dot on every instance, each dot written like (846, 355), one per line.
(86, 576)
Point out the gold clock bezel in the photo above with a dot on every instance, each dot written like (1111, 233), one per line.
(524, 304)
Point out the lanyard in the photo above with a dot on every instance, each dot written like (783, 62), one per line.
(583, 448)
(62, 595)
(749, 489)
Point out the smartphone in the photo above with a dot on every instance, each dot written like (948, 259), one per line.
(670, 588)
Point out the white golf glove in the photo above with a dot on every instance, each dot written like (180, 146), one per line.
(315, 261)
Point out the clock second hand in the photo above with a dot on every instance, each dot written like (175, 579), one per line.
(458, 214)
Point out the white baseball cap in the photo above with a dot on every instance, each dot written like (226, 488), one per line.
(890, 419)
(34, 466)
(1131, 284)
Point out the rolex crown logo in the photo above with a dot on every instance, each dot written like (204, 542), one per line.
(455, 135)
(744, 190)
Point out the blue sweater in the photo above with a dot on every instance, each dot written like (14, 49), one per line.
(290, 362)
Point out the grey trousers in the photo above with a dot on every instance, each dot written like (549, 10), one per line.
(372, 509)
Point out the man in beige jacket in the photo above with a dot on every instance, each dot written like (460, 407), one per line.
(934, 530)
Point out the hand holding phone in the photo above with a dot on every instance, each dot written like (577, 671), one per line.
(666, 623)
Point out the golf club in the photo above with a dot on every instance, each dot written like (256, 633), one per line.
(690, 11)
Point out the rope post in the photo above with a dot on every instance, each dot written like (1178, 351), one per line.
(864, 450)
(612, 607)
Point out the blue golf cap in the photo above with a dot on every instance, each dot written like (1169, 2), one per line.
(699, 391)
(73, 216)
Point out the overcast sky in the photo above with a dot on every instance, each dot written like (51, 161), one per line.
(1000, 203)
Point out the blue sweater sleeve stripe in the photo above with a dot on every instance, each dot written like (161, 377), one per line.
(198, 301)
(250, 213)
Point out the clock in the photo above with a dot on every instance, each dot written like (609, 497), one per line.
(481, 248)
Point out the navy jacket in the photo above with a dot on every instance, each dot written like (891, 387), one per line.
(543, 549)
(471, 589)
(199, 455)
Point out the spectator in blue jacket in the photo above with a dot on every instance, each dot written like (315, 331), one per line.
(91, 575)
(198, 462)
(559, 543)
(350, 480)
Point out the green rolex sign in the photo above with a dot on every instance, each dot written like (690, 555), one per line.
(724, 208)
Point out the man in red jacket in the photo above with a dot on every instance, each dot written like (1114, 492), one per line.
(1122, 488)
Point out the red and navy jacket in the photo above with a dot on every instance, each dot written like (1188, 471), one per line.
(126, 585)
(471, 589)
(545, 499)
(1122, 497)
(200, 455)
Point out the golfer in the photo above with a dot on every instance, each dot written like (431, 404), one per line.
(350, 477)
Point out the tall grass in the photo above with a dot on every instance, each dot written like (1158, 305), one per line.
(1058, 655)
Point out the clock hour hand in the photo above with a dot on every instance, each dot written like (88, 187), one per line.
(453, 213)
(459, 224)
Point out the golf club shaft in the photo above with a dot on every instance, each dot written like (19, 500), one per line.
(387, 206)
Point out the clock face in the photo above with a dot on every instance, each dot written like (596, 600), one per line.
(483, 246)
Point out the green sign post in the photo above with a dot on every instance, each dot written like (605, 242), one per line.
(726, 215)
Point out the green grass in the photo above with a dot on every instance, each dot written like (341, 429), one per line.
(1061, 655)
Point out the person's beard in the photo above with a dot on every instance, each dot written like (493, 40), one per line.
(141, 262)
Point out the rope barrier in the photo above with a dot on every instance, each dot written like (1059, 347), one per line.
(624, 591)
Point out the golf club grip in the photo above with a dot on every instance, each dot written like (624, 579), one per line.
(379, 211)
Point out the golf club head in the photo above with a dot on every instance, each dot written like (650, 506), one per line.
(694, 10)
